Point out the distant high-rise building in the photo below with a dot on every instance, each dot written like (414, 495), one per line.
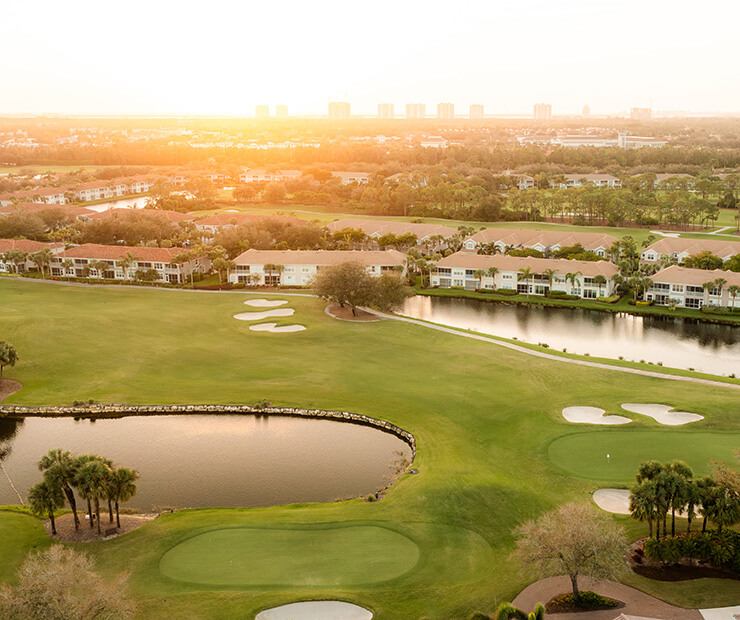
(445, 110)
(339, 110)
(542, 111)
(262, 111)
(281, 111)
(641, 114)
(416, 110)
(385, 110)
(586, 111)
(476, 111)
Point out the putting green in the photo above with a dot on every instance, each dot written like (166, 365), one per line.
(306, 556)
(584, 454)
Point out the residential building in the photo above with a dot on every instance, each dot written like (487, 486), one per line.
(429, 235)
(586, 112)
(299, 267)
(46, 195)
(622, 141)
(434, 142)
(524, 181)
(281, 111)
(476, 111)
(260, 175)
(348, 177)
(597, 180)
(415, 110)
(678, 249)
(545, 241)
(71, 211)
(446, 110)
(262, 111)
(585, 279)
(339, 110)
(690, 288)
(625, 141)
(26, 246)
(84, 257)
(173, 217)
(385, 110)
(542, 111)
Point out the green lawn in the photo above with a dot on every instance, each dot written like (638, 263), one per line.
(585, 454)
(484, 418)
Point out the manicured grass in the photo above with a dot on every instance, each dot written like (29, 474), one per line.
(19, 534)
(585, 454)
(483, 417)
(329, 556)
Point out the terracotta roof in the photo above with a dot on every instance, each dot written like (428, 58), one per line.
(504, 262)
(320, 257)
(382, 227)
(35, 207)
(679, 245)
(26, 245)
(547, 238)
(591, 177)
(115, 252)
(696, 277)
(30, 193)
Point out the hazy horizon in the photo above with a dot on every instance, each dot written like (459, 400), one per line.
(84, 58)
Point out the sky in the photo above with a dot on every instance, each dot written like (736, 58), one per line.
(224, 57)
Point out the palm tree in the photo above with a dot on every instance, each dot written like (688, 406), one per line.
(705, 487)
(719, 284)
(733, 289)
(573, 278)
(643, 500)
(479, 273)
(45, 498)
(67, 264)
(600, 281)
(122, 487)
(16, 257)
(680, 478)
(125, 262)
(269, 268)
(92, 480)
(492, 271)
(525, 273)
(707, 286)
(60, 470)
(100, 266)
(506, 611)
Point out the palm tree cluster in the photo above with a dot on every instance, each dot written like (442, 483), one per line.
(93, 477)
(41, 259)
(670, 488)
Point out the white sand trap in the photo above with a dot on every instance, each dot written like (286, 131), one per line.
(592, 415)
(663, 414)
(273, 328)
(617, 501)
(613, 500)
(258, 316)
(721, 613)
(264, 303)
(316, 610)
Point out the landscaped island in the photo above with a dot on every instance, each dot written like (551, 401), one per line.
(493, 450)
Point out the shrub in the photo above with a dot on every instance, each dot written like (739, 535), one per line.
(506, 291)
(608, 300)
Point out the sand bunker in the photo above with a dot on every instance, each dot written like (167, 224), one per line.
(273, 328)
(264, 303)
(617, 501)
(258, 316)
(663, 414)
(592, 415)
(316, 610)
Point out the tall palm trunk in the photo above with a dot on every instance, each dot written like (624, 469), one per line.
(90, 512)
(70, 495)
(53, 525)
(110, 510)
(118, 516)
(97, 512)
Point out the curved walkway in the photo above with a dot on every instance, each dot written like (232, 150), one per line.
(556, 358)
(636, 603)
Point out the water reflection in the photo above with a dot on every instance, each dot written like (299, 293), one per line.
(674, 342)
(217, 460)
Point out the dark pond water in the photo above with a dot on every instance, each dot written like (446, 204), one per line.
(214, 460)
(677, 343)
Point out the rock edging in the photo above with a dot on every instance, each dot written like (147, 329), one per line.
(119, 411)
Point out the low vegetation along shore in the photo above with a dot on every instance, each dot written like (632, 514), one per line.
(484, 418)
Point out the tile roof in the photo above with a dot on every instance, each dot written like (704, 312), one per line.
(27, 245)
(696, 277)
(504, 262)
(35, 207)
(320, 257)
(170, 216)
(546, 238)
(115, 252)
(679, 245)
(382, 227)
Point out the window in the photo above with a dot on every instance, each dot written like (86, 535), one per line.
(660, 286)
(677, 288)
(694, 289)
(693, 302)
(589, 293)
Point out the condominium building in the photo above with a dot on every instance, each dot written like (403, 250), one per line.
(15, 254)
(339, 110)
(526, 275)
(641, 114)
(545, 241)
(476, 111)
(431, 235)
(693, 288)
(299, 267)
(678, 249)
(385, 110)
(262, 111)
(446, 110)
(542, 111)
(415, 110)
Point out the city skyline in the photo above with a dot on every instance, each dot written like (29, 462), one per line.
(504, 56)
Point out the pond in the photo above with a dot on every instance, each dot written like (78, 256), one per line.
(213, 460)
(675, 342)
(125, 203)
